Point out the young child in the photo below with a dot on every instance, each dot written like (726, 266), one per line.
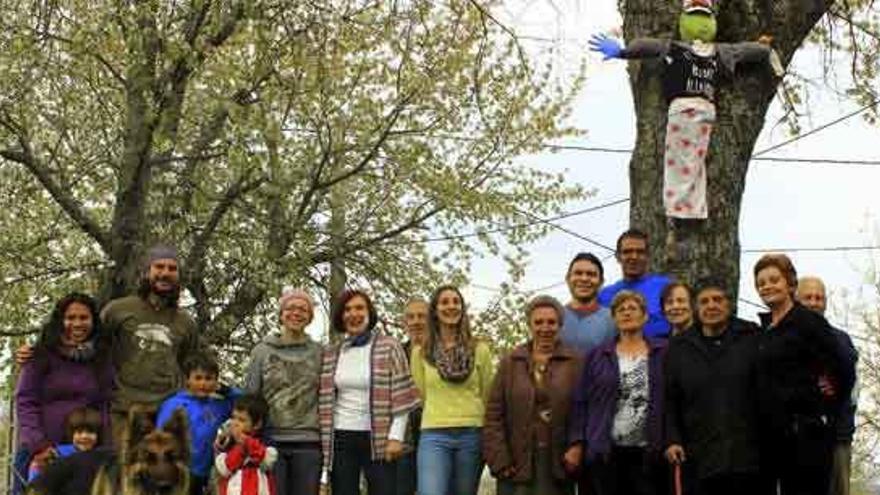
(74, 465)
(83, 427)
(205, 409)
(245, 468)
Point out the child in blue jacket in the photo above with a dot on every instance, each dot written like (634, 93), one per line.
(205, 409)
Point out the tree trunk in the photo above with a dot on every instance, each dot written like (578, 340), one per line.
(706, 249)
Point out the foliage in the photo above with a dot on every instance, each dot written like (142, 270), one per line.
(227, 128)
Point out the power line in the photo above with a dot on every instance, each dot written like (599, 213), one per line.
(779, 159)
(566, 230)
(813, 249)
(506, 228)
(817, 129)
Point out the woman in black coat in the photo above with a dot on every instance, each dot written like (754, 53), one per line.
(796, 351)
(711, 411)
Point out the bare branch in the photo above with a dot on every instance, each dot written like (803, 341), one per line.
(62, 195)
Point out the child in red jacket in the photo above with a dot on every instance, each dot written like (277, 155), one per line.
(245, 468)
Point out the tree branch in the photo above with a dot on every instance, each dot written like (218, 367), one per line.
(63, 196)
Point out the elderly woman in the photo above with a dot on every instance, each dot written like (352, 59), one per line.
(675, 299)
(618, 410)
(802, 380)
(365, 397)
(453, 371)
(524, 438)
(284, 369)
(71, 368)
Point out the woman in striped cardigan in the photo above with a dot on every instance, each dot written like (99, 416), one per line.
(366, 393)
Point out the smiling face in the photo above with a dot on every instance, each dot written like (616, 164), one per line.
(584, 281)
(773, 287)
(296, 314)
(677, 308)
(84, 439)
(356, 315)
(544, 325)
(78, 323)
(449, 308)
(163, 276)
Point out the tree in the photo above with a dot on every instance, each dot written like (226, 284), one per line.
(711, 247)
(227, 127)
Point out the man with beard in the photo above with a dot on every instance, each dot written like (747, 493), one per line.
(586, 323)
(711, 413)
(151, 338)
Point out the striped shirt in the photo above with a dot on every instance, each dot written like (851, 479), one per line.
(392, 393)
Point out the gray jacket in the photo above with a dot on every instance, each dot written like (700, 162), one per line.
(286, 375)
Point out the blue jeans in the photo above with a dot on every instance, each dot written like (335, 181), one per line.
(449, 461)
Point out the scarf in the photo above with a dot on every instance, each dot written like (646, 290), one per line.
(455, 364)
(79, 353)
(360, 339)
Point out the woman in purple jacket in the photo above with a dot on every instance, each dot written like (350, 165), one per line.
(71, 368)
(618, 406)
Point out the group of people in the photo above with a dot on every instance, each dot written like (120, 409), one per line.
(644, 386)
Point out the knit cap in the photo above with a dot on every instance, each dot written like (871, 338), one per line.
(289, 294)
(160, 252)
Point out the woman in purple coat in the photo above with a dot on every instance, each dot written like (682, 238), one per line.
(71, 368)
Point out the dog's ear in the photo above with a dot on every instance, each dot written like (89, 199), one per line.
(141, 422)
(177, 425)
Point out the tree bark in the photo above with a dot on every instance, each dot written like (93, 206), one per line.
(708, 249)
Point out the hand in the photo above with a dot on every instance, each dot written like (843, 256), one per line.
(24, 354)
(573, 457)
(237, 434)
(826, 386)
(393, 450)
(44, 457)
(765, 39)
(607, 46)
(675, 454)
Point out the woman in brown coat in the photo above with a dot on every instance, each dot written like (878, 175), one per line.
(524, 436)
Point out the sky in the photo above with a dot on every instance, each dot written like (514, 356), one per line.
(785, 205)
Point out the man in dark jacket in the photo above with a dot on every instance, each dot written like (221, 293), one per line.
(811, 293)
(711, 413)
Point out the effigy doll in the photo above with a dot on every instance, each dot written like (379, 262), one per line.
(692, 68)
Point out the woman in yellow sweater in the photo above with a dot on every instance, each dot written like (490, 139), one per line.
(453, 372)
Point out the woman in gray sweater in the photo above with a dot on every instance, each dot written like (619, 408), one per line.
(284, 369)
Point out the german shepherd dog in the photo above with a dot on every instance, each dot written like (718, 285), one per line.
(151, 461)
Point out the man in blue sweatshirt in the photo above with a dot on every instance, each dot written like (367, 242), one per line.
(206, 410)
(633, 255)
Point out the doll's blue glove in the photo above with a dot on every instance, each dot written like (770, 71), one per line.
(607, 46)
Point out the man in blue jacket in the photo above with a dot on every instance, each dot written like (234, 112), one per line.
(633, 255)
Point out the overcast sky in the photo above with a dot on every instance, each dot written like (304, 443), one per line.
(787, 206)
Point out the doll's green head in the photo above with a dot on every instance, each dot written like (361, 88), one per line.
(697, 22)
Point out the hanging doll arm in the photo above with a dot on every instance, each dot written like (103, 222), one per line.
(750, 52)
(638, 48)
